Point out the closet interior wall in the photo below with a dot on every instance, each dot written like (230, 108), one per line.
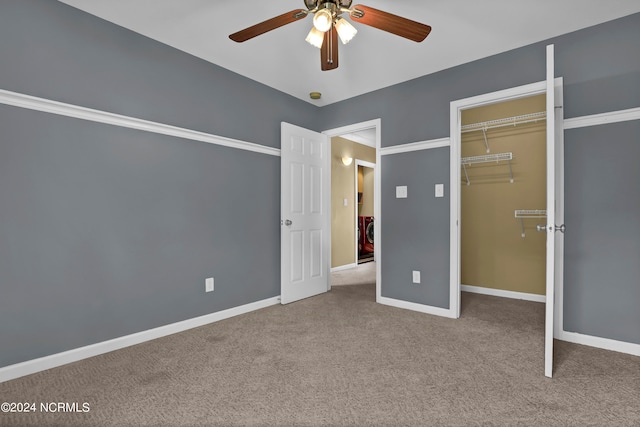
(494, 254)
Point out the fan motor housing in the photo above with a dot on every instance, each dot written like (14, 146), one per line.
(316, 4)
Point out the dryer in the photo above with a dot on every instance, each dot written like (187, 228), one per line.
(367, 235)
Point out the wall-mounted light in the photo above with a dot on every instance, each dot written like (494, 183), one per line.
(346, 160)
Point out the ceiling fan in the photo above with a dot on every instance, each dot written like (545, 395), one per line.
(328, 24)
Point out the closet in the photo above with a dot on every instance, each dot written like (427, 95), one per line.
(503, 197)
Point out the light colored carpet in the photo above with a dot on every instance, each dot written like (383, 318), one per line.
(340, 359)
(361, 275)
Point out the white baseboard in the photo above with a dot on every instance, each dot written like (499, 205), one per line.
(36, 365)
(343, 267)
(604, 343)
(503, 293)
(427, 309)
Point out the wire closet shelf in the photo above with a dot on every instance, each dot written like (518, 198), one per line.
(500, 123)
(529, 213)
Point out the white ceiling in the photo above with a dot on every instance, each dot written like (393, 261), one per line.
(463, 30)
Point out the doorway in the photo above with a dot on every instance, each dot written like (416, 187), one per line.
(354, 132)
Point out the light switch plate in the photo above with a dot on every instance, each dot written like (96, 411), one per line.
(439, 190)
(208, 284)
(401, 192)
(345, 202)
(416, 276)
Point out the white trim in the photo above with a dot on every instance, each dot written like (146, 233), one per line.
(415, 146)
(354, 137)
(502, 293)
(75, 111)
(604, 343)
(344, 267)
(365, 164)
(377, 124)
(36, 365)
(421, 308)
(603, 118)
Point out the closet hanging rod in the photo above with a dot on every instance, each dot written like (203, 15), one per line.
(508, 121)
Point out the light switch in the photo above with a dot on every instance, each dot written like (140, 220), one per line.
(345, 202)
(439, 190)
(401, 192)
(416, 276)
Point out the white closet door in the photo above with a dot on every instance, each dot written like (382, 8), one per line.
(554, 207)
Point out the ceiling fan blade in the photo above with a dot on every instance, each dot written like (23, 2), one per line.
(391, 23)
(329, 50)
(268, 25)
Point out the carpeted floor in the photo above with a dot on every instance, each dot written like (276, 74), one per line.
(340, 359)
(363, 274)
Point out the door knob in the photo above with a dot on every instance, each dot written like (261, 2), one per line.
(560, 228)
(287, 222)
(541, 227)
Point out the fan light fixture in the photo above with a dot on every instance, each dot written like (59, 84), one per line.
(346, 31)
(323, 20)
(328, 24)
(315, 37)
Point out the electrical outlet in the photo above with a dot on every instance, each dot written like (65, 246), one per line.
(416, 276)
(208, 284)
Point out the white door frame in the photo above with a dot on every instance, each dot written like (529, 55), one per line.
(370, 165)
(375, 124)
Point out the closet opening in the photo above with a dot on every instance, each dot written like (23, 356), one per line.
(502, 201)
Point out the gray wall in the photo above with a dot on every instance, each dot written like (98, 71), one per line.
(602, 241)
(601, 70)
(412, 227)
(106, 231)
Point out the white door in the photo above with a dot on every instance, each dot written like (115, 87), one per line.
(305, 215)
(554, 208)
